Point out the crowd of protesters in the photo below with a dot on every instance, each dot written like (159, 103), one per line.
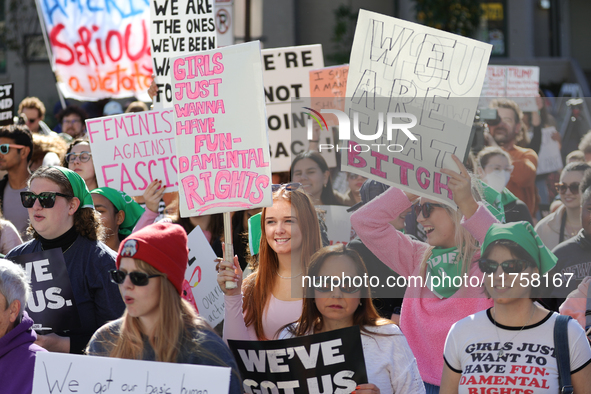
(126, 259)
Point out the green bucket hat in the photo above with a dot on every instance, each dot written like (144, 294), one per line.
(79, 187)
(525, 236)
(123, 202)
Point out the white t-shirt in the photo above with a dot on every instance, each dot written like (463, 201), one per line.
(527, 365)
(389, 362)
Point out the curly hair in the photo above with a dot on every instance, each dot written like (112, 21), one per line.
(87, 221)
(43, 144)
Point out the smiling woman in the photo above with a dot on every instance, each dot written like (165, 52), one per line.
(267, 301)
(79, 159)
(62, 215)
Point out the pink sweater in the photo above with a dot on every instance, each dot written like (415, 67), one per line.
(277, 314)
(425, 319)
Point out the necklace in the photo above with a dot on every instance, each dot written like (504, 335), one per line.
(288, 277)
(501, 352)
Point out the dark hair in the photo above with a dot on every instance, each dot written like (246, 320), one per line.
(328, 197)
(311, 319)
(20, 134)
(72, 109)
(77, 141)
(519, 253)
(87, 221)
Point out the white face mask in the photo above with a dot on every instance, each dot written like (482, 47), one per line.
(497, 179)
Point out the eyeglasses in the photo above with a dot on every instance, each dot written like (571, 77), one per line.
(137, 278)
(426, 208)
(83, 156)
(344, 289)
(287, 186)
(46, 199)
(5, 148)
(72, 122)
(562, 187)
(509, 266)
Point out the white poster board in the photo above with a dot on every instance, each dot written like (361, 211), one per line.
(338, 223)
(549, 158)
(518, 83)
(402, 67)
(287, 92)
(178, 27)
(131, 150)
(202, 278)
(69, 373)
(221, 134)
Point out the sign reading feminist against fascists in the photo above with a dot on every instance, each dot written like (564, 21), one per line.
(100, 49)
(178, 27)
(69, 373)
(221, 134)
(331, 362)
(51, 305)
(6, 104)
(398, 67)
(287, 92)
(201, 276)
(135, 148)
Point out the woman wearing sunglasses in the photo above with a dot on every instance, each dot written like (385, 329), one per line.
(391, 366)
(429, 311)
(510, 347)
(494, 168)
(79, 159)
(158, 325)
(565, 222)
(290, 234)
(62, 216)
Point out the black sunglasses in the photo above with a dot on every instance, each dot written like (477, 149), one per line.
(426, 208)
(344, 289)
(562, 187)
(46, 199)
(509, 266)
(137, 278)
(287, 186)
(83, 156)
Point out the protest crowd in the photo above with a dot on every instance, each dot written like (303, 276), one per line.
(100, 261)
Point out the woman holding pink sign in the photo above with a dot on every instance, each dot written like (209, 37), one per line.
(266, 301)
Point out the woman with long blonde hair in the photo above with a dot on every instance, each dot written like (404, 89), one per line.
(430, 309)
(158, 325)
(269, 298)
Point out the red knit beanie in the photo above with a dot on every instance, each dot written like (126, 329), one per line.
(163, 246)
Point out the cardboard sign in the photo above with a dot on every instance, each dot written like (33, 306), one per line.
(6, 104)
(135, 149)
(68, 373)
(549, 158)
(338, 223)
(202, 278)
(410, 81)
(330, 362)
(519, 83)
(51, 306)
(221, 133)
(99, 50)
(287, 92)
(178, 27)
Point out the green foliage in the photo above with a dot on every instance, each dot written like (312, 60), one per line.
(343, 35)
(455, 16)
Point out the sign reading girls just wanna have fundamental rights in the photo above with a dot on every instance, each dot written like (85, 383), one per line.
(221, 135)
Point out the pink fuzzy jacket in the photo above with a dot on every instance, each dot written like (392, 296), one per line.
(425, 319)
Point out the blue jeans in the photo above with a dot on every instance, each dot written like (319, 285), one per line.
(431, 389)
